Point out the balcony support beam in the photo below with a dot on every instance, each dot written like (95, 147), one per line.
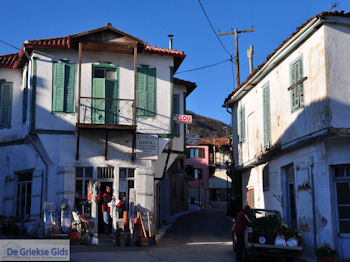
(106, 145)
(77, 146)
(79, 79)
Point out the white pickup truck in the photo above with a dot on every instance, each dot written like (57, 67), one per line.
(258, 247)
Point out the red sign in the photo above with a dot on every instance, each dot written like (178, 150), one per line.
(186, 119)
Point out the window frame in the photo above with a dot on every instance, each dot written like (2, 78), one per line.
(241, 123)
(73, 67)
(84, 191)
(9, 113)
(146, 112)
(267, 115)
(296, 85)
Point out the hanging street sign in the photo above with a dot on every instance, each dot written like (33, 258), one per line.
(185, 119)
(192, 140)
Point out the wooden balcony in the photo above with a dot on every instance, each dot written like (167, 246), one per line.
(106, 113)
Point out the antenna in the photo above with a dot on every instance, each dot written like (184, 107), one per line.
(334, 5)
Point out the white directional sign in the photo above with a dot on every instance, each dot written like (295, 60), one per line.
(146, 146)
(186, 119)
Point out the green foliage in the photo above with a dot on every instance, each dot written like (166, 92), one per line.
(325, 251)
(266, 224)
(208, 128)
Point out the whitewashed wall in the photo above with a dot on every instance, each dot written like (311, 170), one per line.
(286, 126)
(16, 130)
(47, 120)
(337, 38)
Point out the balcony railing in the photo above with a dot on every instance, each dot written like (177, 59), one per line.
(106, 111)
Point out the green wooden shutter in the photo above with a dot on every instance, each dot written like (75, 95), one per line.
(58, 87)
(243, 123)
(176, 110)
(141, 92)
(239, 125)
(98, 105)
(151, 92)
(5, 104)
(111, 105)
(25, 96)
(267, 115)
(300, 86)
(69, 88)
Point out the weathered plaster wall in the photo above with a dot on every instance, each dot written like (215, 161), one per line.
(286, 125)
(337, 38)
(15, 131)
(48, 120)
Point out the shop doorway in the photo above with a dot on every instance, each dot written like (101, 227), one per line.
(100, 214)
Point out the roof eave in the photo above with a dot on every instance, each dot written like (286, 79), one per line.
(301, 36)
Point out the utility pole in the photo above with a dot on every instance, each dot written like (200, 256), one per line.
(235, 195)
(236, 32)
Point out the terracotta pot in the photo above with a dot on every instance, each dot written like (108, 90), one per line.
(331, 258)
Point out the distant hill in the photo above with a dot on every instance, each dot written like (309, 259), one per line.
(207, 128)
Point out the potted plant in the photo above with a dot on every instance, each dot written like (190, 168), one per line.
(326, 254)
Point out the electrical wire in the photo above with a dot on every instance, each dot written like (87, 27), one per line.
(202, 67)
(9, 45)
(206, 16)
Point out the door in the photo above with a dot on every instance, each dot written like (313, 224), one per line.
(289, 191)
(105, 95)
(341, 178)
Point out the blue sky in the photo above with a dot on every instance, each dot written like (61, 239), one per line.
(153, 20)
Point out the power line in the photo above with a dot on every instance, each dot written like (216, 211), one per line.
(206, 16)
(202, 67)
(15, 47)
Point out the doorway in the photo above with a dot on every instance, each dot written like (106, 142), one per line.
(105, 94)
(100, 214)
(341, 180)
(289, 192)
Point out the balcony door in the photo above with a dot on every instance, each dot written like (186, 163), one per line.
(105, 95)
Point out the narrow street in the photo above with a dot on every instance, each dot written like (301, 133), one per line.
(200, 236)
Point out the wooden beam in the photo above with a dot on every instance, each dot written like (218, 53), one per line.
(77, 147)
(135, 86)
(79, 79)
(133, 146)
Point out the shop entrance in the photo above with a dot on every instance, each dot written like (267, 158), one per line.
(100, 214)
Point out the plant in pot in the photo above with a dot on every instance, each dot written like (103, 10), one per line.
(326, 254)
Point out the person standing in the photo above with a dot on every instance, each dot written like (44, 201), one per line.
(242, 221)
(106, 199)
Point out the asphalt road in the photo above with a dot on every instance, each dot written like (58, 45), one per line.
(201, 236)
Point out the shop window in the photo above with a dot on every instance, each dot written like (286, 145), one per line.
(82, 177)
(126, 186)
(105, 172)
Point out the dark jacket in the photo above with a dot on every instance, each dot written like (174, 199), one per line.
(106, 198)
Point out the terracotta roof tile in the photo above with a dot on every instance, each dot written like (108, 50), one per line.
(340, 13)
(163, 51)
(57, 42)
(8, 61)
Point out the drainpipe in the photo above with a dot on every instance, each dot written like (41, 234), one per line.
(311, 160)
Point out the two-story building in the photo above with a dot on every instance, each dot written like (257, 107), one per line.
(291, 139)
(96, 105)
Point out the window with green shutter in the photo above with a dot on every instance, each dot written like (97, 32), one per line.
(63, 87)
(176, 110)
(146, 92)
(297, 87)
(241, 124)
(25, 96)
(267, 115)
(5, 104)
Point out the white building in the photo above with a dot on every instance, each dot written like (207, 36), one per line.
(96, 105)
(292, 150)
